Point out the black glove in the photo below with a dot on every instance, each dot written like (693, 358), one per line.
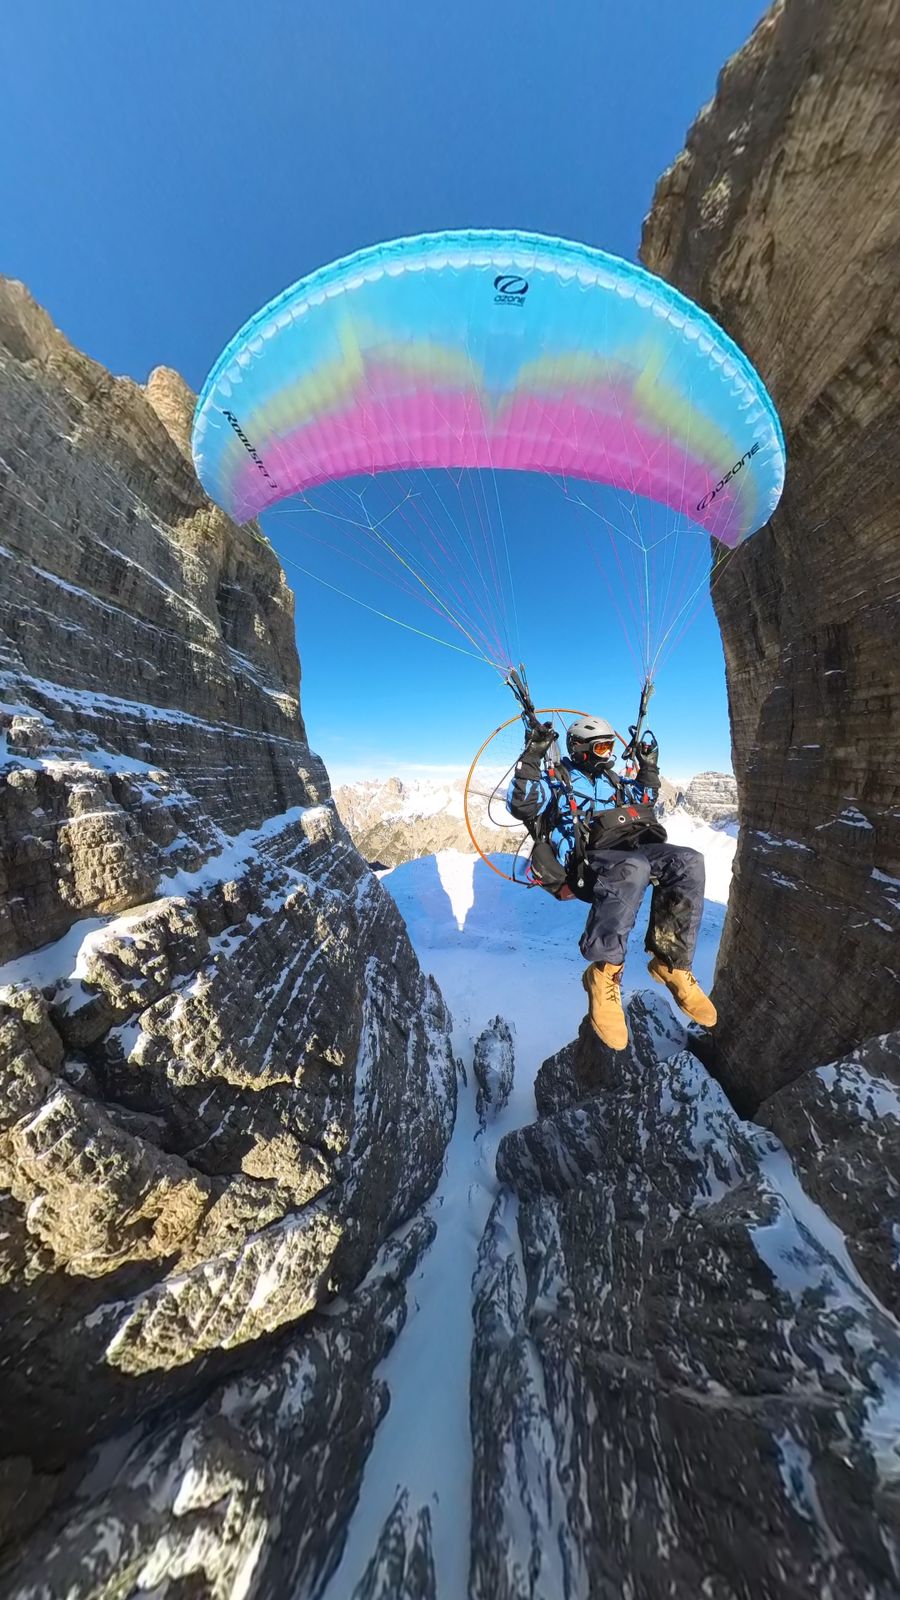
(648, 763)
(541, 737)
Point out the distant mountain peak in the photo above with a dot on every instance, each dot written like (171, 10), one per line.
(393, 820)
(712, 796)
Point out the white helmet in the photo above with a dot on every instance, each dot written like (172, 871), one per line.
(591, 741)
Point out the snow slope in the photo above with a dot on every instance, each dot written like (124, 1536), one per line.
(493, 948)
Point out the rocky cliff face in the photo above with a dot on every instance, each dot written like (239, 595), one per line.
(212, 1025)
(685, 1372)
(686, 1363)
(781, 217)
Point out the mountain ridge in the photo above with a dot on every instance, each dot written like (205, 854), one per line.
(392, 820)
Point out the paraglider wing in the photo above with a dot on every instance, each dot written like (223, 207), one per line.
(491, 350)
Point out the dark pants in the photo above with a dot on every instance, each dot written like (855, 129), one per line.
(620, 879)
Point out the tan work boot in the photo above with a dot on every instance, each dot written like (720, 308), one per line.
(603, 983)
(685, 989)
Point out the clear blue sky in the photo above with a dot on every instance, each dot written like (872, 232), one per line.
(164, 170)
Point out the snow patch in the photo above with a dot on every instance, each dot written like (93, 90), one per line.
(776, 842)
(716, 845)
(870, 1097)
(781, 880)
(457, 874)
(237, 852)
(893, 884)
(851, 816)
(795, 1467)
(53, 962)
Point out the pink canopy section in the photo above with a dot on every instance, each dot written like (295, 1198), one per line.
(563, 435)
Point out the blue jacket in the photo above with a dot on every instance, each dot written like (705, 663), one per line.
(531, 792)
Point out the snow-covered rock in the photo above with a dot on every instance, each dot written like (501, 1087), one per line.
(678, 1367)
(494, 1064)
(402, 1567)
(842, 1125)
(224, 1080)
(683, 1362)
(250, 1491)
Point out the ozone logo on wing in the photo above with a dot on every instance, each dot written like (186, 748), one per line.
(709, 498)
(510, 289)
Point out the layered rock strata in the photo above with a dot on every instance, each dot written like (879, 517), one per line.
(212, 1026)
(711, 796)
(682, 1381)
(782, 218)
(219, 1501)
